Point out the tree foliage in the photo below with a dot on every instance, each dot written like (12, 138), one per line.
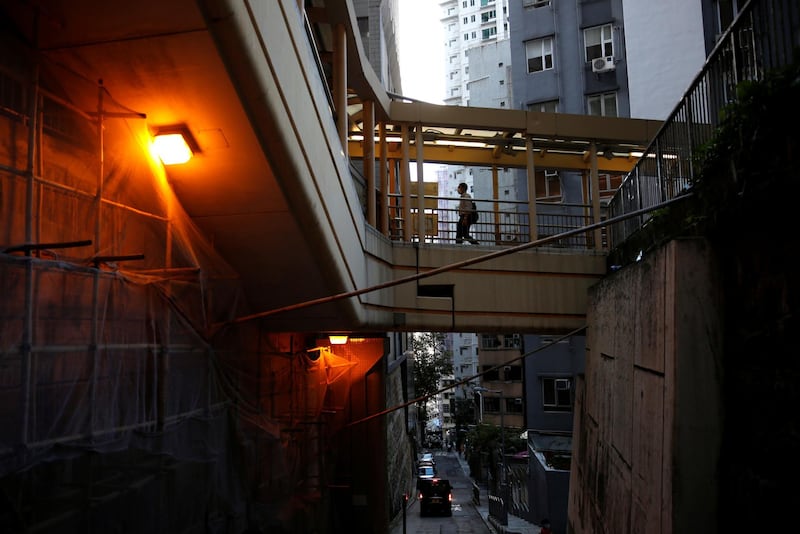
(484, 447)
(431, 362)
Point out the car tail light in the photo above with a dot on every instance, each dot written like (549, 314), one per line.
(450, 497)
(420, 495)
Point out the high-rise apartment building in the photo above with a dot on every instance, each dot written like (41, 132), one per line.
(626, 58)
(478, 73)
(377, 23)
(471, 25)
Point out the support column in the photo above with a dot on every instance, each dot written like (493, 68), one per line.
(418, 142)
(383, 179)
(531, 170)
(498, 237)
(27, 355)
(594, 192)
(405, 186)
(98, 228)
(368, 113)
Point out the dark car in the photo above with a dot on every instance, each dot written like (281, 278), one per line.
(435, 495)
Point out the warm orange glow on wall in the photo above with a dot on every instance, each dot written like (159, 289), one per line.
(172, 148)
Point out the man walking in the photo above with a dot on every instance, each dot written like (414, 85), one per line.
(464, 216)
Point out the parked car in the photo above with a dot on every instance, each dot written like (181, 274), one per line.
(435, 495)
(425, 472)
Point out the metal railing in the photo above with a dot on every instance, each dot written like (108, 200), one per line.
(506, 225)
(764, 36)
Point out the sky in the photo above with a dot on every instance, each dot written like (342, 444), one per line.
(421, 50)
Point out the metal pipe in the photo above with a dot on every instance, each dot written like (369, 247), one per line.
(26, 369)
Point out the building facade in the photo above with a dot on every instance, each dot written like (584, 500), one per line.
(552, 367)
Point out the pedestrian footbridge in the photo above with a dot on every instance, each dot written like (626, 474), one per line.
(305, 170)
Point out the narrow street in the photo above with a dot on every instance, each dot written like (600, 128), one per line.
(465, 519)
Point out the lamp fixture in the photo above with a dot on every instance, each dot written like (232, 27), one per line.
(174, 144)
(337, 339)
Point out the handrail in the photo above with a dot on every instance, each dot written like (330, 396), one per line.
(507, 223)
(760, 39)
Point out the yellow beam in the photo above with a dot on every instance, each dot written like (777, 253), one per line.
(483, 157)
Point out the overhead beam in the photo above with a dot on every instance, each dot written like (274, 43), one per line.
(484, 157)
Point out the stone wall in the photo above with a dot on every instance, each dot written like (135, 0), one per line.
(399, 445)
(648, 414)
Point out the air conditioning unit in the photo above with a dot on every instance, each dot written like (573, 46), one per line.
(603, 64)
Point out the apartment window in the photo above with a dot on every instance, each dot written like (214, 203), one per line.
(490, 376)
(488, 33)
(514, 405)
(472, 18)
(466, 37)
(557, 394)
(598, 42)
(489, 15)
(466, 20)
(550, 106)
(491, 404)
(474, 35)
(502, 82)
(512, 373)
(539, 53)
(535, 3)
(472, 2)
(464, 3)
(604, 104)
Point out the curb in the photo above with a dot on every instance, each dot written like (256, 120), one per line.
(501, 529)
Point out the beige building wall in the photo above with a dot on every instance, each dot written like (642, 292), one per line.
(648, 412)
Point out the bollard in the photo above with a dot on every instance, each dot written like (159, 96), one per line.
(405, 505)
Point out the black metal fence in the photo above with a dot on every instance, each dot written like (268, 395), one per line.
(507, 224)
(765, 36)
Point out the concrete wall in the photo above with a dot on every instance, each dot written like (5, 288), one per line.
(400, 454)
(647, 417)
(663, 58)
